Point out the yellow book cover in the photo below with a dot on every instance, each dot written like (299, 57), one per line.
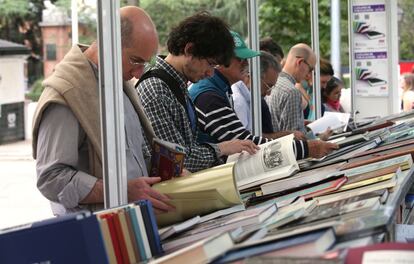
(366, 182)
(199, 193)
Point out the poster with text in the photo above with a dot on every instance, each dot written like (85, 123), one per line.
(369, 26)
(370, 60)
(371, 73)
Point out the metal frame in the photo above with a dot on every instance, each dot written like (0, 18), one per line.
(315, 46)
(256, 104)
(112, 107)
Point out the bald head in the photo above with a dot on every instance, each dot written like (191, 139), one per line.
(300, 61)
(139, 41)
(135, 24)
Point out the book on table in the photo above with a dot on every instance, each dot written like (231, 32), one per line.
(227, 223)
(199, 193)
(203, 251)
(378, 253)
(275, 160)
(167, 159)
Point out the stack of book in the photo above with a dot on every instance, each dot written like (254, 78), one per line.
(126, 234)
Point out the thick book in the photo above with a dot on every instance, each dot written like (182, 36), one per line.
(199, 193)
(226, 223)
(275, 160)
(75, 238)
(301, 179)
(329, 198)
(383, 155)
(354, 169)
(378, 253)
(203, 251)
(150, 226)
(312, 242)
(167, 159)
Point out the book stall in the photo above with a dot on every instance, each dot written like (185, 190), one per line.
(354, 205)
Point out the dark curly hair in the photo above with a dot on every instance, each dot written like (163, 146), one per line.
(210, 36)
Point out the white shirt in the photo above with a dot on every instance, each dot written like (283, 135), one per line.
(241, 100)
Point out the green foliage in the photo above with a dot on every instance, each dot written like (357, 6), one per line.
(36, 90)
(407, 30)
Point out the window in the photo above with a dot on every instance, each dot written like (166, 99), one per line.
(51, 52)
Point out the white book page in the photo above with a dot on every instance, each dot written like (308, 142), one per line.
(329, 120)
(275, 160)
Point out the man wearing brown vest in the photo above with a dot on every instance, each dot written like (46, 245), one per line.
(66, 133)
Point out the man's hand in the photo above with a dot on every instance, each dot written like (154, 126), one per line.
(185, 172)
(299, 135)
(325, 135)
(140, 188)
(236, 146)
(319, 148)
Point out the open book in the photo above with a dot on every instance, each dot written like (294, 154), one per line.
(275, 160)
(167, 159)
(199, 193)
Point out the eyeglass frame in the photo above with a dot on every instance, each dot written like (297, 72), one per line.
(268, 87)
(310, 68)
(144, 64)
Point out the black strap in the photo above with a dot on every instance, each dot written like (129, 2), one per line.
(169, 80)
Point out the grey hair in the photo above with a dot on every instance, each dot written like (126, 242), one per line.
(126, 32)
(267, 61)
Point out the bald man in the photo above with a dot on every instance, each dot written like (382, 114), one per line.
(285, 100)
(66, 134)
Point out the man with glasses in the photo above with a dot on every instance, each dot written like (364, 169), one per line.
(285, 100)
(216, 117)
(195, 47)
(67, 130)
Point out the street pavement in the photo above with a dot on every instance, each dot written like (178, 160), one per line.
(20, 200)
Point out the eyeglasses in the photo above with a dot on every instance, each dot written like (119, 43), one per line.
(142, 63)
(212, 64)
(307, 63)
(269, 87)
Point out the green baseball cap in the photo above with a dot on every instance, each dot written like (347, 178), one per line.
(241, 50)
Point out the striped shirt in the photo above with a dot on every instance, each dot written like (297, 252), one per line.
(217, 118)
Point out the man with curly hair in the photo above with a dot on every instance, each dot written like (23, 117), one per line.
(195, 46)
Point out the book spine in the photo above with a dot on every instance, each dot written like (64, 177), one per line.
(151, 227)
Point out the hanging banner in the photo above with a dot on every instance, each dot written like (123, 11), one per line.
(369, 42)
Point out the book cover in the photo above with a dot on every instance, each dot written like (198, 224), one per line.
(106, 235)
(199, 193)
(136, 233)
(55, 241)
(325, 236)
(131, 232)
(136, 211)
(167, 159)
(151, 227)
(203, 251)
(121, 238)
(127, 236)
(114, 236)
(357, 255)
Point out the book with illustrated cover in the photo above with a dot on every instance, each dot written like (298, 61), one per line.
(167, 159)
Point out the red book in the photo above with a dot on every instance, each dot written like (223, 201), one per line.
(114, 237)
(355, 255)
(327, 188)
(121, 239)
(167, 159)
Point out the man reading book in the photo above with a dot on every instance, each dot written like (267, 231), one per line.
(195, 47)
(217, 119)
(67, 135)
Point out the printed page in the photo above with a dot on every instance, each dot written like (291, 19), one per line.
(274, 160)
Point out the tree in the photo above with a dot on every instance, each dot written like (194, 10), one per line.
(406, 30)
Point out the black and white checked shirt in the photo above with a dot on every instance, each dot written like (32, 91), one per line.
(169, 118)
(285, 105)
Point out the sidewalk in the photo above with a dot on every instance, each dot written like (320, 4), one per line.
(20, 200)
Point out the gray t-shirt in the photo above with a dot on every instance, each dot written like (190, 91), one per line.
(62, 156)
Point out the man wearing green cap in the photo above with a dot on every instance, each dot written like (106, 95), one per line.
(217, 119)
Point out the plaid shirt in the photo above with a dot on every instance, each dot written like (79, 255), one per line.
(285, 105)
(169, 118)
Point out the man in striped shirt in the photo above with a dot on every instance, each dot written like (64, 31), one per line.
(216, 117)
